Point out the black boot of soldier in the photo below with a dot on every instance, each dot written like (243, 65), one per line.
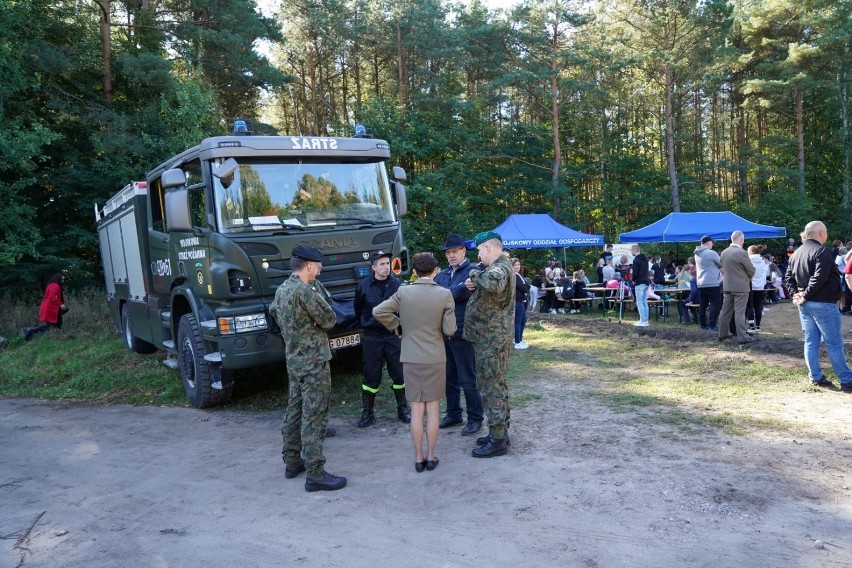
(367, 415)
(402, 411)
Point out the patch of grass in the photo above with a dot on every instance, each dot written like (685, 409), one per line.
(63, 365)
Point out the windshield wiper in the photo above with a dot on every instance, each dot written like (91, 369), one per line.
(356, 219)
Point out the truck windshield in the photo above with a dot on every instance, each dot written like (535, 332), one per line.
(265, 195)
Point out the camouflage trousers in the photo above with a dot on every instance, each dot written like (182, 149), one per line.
(306, 418)
(492, 364)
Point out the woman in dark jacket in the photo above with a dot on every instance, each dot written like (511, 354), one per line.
(522, 290)
(51, 309)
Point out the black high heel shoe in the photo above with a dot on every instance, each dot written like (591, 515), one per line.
(431, 464)
(418, 466)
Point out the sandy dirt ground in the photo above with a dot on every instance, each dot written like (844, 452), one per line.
(84, 486)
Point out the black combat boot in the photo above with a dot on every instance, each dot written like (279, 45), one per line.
(402, 410)
(325, 482)
(367, 416)
(493, 447)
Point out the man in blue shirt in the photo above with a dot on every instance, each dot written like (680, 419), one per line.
(461, 360)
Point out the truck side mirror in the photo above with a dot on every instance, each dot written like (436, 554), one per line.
(400, 198)
(174, 177)
(399, 173)
(226, 168)
(178, 217)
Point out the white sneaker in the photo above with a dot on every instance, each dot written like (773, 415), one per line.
(560, 311)
(641, 324)
(552, 311)
(522, 345)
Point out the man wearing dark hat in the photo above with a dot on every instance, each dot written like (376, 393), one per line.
(489, 324)
(302, 308)
(709, 279)
(461, 358)
(379, 346)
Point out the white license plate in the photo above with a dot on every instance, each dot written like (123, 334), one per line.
(345, 341)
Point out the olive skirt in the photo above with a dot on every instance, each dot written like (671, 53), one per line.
(425, 382)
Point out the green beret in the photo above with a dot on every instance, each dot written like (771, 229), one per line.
(308, 253)
(486, 236)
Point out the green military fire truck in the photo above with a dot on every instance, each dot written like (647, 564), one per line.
(193, 254)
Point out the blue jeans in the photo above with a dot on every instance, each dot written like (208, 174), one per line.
(520, 321)
(642, 301)
(821, 322)
(461, 376)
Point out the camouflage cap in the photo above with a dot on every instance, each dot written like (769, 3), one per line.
(486, 236)
(308, 253)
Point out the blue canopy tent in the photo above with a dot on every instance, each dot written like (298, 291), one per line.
(690, 227)
(542, 231)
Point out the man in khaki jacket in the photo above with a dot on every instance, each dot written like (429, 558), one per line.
(737, 270)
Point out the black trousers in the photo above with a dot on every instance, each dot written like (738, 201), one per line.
(711, 298)
(379, 350)
(754, 311)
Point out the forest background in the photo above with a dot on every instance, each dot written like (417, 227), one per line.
(605, 114)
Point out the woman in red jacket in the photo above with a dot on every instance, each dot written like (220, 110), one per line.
(51, 309)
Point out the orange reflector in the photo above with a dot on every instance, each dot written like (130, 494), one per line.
(225, 325)
(396, 265)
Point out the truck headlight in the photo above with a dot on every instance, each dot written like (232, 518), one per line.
(242, 324)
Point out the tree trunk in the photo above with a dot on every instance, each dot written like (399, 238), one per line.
(843, 80)
(742, 155)
(557, 147)
(312, 69)
(800, 138)
(106, 44)
(400, 67)
(670, 143)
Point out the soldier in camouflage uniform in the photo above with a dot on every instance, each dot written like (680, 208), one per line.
(489, 324)
(302, 308)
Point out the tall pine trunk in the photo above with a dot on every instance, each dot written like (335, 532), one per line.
(800, 138)
(106, 47)
(670, 142)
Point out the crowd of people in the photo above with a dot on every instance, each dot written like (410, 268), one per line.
(697, 279)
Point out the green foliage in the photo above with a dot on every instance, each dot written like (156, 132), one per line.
(549, 107)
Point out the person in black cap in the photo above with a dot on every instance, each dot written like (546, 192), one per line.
(709, 278)
(379, 345)
(461, 358)
(302, 308)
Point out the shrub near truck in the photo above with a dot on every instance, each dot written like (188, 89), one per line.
(192, 255)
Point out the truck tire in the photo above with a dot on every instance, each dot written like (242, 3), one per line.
(195, 371)
(131, 341)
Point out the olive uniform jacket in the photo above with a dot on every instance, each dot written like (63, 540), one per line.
(304, 313)
(490, 316)
(426, 314)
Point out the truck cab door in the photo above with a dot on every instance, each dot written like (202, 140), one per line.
(158, 239)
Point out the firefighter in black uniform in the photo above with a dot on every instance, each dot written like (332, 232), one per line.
(379, 346)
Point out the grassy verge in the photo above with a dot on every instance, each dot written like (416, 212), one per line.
(675, 384)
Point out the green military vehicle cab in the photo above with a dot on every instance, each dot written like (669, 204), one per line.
(192, 256)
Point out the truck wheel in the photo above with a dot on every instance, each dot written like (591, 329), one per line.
(194, 369)
(131, 341)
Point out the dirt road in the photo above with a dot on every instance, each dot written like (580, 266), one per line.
(128, 486)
